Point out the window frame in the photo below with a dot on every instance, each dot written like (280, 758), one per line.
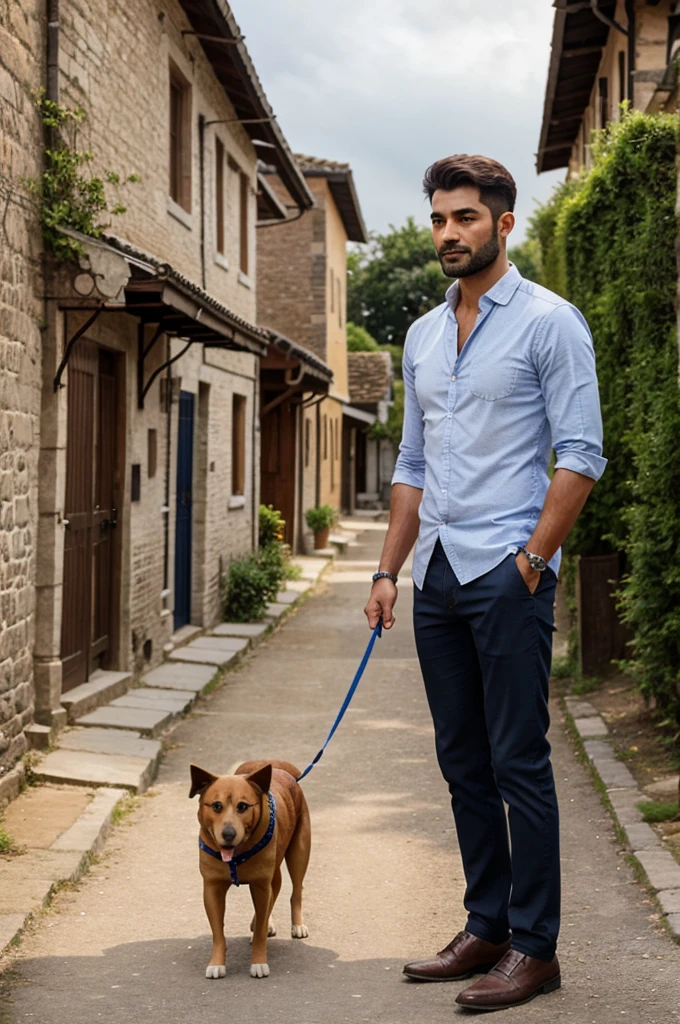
(179, 138)
(239, 404)
(219, 195)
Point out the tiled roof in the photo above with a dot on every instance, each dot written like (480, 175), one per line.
(370, 377)
(317, 163)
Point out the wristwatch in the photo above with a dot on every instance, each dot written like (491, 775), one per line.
(537, 562)
(385, 576)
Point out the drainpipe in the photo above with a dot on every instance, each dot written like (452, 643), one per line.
(318, 455)
(605, 19)
(201, 178)
(630, 12)
(53, 50)
(254, 449)
(166, 506)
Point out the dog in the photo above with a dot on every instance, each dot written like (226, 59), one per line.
(249, 822)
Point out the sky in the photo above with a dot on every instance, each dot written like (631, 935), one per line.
(389, 86)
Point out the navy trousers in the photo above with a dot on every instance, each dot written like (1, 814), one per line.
(484, 650)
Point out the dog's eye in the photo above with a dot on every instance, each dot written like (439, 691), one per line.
(217, 807)
(242, 806)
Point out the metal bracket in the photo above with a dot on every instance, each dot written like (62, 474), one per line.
(143, 351)
(71, 342)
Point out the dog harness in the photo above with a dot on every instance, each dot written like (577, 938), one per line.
(241, 858)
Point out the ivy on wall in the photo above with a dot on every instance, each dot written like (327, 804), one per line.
(607, 242)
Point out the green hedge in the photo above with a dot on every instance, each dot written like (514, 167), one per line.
(607, 242)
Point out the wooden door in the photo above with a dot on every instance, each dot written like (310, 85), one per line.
(277, 476)
(90, 513)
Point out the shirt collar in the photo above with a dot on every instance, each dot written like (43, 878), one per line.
(501, 293)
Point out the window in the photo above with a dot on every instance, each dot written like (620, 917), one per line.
(339, 303)
(180, 138)
(238, 445)
(219, 196)
(623, 91)
(337, 439)
(151, 453)
(604, 101)
(308, 442)
(325, 436)
(332, 290)
(243, 208)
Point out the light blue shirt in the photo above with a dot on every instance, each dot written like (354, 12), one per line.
(479, 426)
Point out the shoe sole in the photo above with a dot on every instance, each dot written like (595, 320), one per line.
(482, 969)
(544, 990)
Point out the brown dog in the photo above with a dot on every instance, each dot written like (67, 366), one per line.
(249, 822)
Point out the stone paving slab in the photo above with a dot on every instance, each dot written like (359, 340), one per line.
(27, 879)
(243, 629)
(669, 900)
(591, 726)
(275, 609)
(624, 802)
(287, 597)
(41, 814)
(300, 586)
(203, 656)
(580, 708)
(10, 926)
(110, 741)
(84, 768)
(148, 721)
(674, 923)
(162, 700)
(88, 833)
(612, 772)
(663, 871)
(228, 644)
(175, 676)
(641, 836)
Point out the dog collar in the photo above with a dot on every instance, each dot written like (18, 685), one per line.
(241, 858)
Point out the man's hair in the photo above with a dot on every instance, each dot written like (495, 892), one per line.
(497, 188)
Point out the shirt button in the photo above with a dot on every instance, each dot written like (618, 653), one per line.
(453, 377)
(449, 416)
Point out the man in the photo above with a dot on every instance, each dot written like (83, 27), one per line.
(494, 378)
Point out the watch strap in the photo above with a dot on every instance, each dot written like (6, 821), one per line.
(381, 575)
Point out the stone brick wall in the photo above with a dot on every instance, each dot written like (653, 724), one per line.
(114, 60)
(21, 61)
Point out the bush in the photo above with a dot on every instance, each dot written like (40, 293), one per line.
(271, 526)
(607, 242)
(320, 517)
(245, 592)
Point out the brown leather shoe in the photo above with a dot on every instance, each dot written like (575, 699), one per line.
(514, 980)
(464, 956)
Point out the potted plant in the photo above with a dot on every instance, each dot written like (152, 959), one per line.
(320, 519)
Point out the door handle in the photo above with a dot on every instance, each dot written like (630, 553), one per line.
(111, 523)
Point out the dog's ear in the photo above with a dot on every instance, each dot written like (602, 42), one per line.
(200, 779)
(262, 778)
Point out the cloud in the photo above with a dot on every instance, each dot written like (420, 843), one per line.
(391, 85)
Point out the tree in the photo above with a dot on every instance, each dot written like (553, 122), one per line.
(393, 281)
(527, 258)
(359, 340)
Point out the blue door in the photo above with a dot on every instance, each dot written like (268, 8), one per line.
(185, 465)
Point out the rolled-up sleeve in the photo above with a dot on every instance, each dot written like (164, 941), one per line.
(410, 464)
(565, 359)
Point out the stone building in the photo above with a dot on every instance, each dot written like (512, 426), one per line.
(22, 71)
(145, 379)
(303, 295)
(603, 55)
(368, 458)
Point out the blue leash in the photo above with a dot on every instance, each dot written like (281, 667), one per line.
(350, 693)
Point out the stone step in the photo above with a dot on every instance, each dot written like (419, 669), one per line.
(298, 586)
(176, 701)
(226, 644)
(252, 630)
(88, 768)
(175, 675)
(110, 741)
(204, 656)
(287, 597)
(147, 721)
(100, 688)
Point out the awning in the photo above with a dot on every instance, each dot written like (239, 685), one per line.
(118, 277)
(289, 371)
(359, 415)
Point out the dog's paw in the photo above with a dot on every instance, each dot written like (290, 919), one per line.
(272, 928)
(215, 971)
(299, 931)
(259, 970)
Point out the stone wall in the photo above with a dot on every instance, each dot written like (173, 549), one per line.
(21, 63)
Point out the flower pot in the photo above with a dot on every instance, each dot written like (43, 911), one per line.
(321, 538)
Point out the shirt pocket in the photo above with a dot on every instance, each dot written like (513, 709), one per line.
(493, 381)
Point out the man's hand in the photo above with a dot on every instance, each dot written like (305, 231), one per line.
(529, 575)
(381, 602)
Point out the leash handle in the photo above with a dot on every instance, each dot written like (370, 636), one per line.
(350, 693)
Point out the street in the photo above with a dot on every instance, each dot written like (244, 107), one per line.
(130, 943)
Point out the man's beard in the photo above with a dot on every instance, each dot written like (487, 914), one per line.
(478, 261)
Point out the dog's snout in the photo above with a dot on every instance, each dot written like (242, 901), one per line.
(229, 834)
